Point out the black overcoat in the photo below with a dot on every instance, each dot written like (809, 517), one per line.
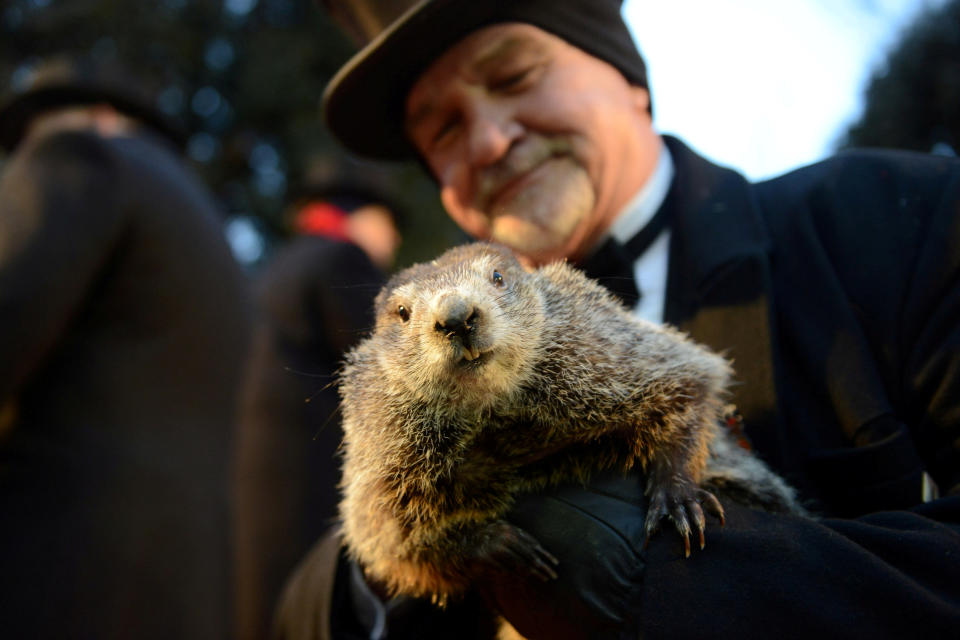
(123, 325)
(314, 300)
(836, 291)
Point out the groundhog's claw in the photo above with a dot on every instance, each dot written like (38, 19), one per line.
(712, 505)
(682, 506)
(504, 547)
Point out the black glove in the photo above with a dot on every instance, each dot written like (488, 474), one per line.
(597, 534)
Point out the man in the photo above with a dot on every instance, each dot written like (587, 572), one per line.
(123, 327)
(315, 300)
(834, 289)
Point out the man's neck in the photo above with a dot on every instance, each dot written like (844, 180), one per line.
(645, 203)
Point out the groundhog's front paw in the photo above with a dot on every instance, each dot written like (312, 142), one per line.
(503, 547)
(683, 502)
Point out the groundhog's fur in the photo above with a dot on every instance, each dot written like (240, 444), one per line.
(481, 381)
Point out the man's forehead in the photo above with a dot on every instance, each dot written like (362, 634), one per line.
(501, 46)
(474, 56)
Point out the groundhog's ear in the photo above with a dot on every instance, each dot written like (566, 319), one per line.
(381, 299)
(509, 254)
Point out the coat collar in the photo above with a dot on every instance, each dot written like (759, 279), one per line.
(715, 222)
(719, 288)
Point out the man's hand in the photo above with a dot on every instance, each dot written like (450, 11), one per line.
(597, 533)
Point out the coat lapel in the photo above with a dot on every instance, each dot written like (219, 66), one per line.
(719, 285)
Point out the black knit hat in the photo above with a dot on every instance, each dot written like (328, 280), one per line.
(364, 103)
(64, 81)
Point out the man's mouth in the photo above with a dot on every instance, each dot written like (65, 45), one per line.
(501, 181)
(508, 188)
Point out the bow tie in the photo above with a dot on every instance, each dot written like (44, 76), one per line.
(612, 263)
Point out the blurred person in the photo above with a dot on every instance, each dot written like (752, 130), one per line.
(833, 288)
(315, 300)
(123, 325)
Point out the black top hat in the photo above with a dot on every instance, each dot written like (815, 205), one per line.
(64, 81)
(364, 102)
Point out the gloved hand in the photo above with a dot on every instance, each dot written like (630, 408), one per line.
(597, 534)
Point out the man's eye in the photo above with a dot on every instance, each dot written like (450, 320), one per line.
(445, 131)
(513, 80)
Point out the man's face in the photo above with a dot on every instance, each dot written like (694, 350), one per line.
(535, 143)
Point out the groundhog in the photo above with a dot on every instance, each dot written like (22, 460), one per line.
(482, 380)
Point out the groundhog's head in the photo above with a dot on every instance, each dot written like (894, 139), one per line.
(465, 328)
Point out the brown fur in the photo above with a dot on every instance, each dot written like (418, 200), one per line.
(437, 443)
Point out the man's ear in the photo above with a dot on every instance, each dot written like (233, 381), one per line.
(110, 122)
(641, 99)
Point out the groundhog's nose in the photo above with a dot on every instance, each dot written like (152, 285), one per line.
(457, 320)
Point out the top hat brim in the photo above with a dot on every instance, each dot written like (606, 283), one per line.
(363, 104)
(17, 112)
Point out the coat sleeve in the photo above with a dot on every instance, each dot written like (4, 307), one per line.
(58, 226)
(930, 398)
(322, 601)
(887, 575)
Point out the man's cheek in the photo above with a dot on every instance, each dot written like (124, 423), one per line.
(470, 220)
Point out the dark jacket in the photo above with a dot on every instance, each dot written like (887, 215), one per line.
(836, 291)
(123, 325)
(314, 300)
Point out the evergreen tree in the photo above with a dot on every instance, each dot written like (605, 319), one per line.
(912, 99)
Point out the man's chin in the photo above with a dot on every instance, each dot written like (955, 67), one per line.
(537, 243)
(542, 214)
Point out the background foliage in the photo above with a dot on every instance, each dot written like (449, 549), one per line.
(913, 98)
(245, 78)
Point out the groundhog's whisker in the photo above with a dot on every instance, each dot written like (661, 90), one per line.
(361, 330)
(335, 411)
(371, 286)
(319, 391)
(305, 374)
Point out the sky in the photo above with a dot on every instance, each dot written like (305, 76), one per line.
(763, 86)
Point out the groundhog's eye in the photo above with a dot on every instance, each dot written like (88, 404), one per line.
(497, 279)
(403, 312)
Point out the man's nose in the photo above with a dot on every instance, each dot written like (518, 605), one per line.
(492, 131)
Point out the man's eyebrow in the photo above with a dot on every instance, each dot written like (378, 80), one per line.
(413, 121)
(482, 64)
(498, 50)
